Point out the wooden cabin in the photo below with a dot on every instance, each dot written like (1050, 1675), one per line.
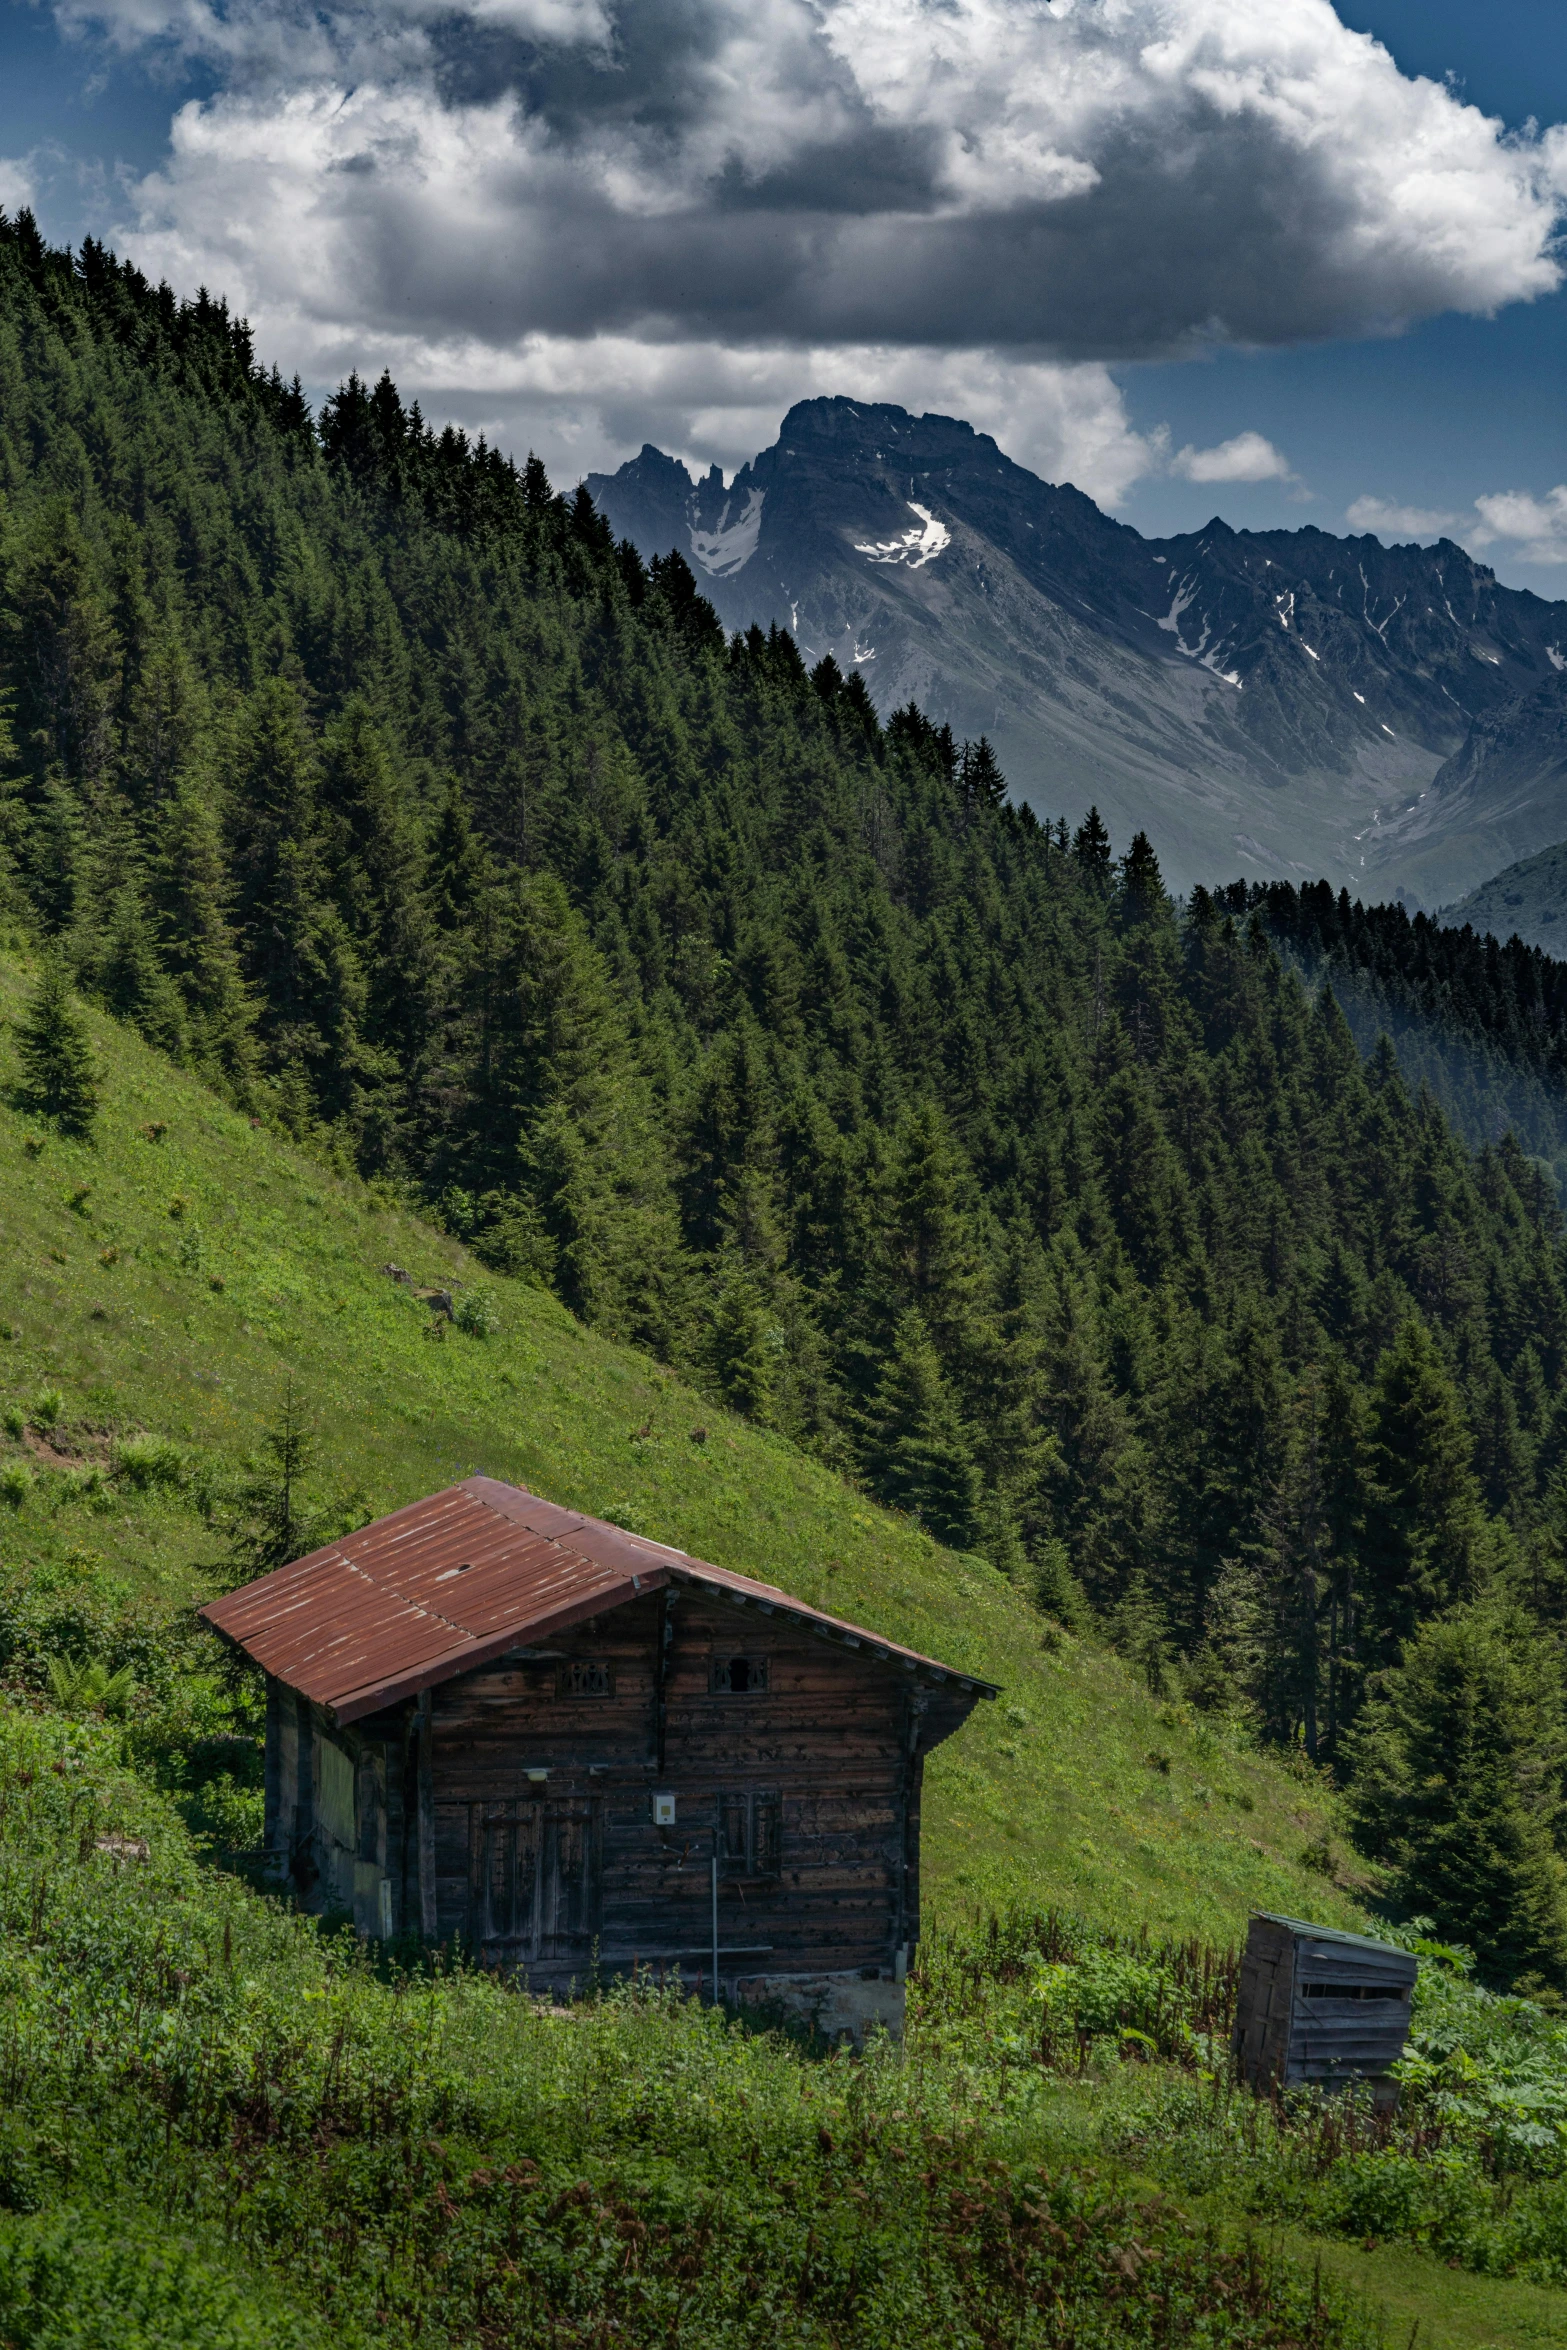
(1315, 2004)
(498, 1723)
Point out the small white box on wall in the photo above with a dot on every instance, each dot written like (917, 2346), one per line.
(663, 1811)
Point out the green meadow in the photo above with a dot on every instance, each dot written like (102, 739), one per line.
(181, 1273)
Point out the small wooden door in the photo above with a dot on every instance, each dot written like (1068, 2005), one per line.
(534, 1877)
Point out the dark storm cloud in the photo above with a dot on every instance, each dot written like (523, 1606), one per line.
(1101, 179)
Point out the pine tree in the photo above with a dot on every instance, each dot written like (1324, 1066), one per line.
(59, 1078)
(588, 1170)
(1295, 1569)
(981, 783)
(1142, 883)
(129, 975)
(1091, 848)
(917, 1452)
(1502, 1452)
(281, 885)
(745, 1346)
(63, 641)
(271, 1521)
(1457, 1784)
(1422, 1546)
(193, 900)
(929, 1249)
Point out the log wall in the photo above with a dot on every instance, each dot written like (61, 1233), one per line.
(511, 1809)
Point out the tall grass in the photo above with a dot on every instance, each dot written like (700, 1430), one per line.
(437, 2159)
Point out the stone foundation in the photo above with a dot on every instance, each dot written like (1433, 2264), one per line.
(839, 2006)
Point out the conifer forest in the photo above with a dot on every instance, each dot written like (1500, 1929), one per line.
(1159, 1305)
(364, 774)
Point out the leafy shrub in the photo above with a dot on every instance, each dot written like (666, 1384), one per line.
(478, 1313)
(78, 1611)
(16, 1483)
(48, 1404)
(89, 1686)
(69, 2283)
(83, 1485)
(146, 1461)
(14, 1420)
(222, 1812)
(1380, 2194)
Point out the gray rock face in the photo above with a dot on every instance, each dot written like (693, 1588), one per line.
(1274, 701)
(1527, 900)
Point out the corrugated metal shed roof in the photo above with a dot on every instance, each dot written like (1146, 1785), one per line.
(452, 1582)
(1389, 1957)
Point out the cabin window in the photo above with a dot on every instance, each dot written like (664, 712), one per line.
(585, 1677)
(739, 1676)
(336, 1806)
(748, 1835)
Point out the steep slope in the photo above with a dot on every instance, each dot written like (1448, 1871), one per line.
(1479, 1019)
(180, 1283)
(1285, 694)
(1501, 797)
(1527, 900)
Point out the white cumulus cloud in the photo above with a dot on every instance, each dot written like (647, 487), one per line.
(809, 187)
(1248, 457)
(1532, 528)
(1114, 178)
(16, 183)
(1538, 526)
(1386, 518)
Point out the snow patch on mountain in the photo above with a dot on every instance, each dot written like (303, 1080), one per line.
(729, 546)
(913, 547)
(1201, 652)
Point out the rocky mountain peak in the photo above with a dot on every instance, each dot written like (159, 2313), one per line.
(1271, 700)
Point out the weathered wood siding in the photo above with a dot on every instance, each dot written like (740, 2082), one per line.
(338, 1810)
(1264, 2003)
(1318, 2005)
(512, 1808)
(811, 1785)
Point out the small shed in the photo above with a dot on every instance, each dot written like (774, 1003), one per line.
(1318, 2005)
(498, 1722)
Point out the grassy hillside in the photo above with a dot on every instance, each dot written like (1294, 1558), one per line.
(174, 1279)
(180, 1273)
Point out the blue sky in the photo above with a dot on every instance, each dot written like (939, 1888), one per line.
(528, 330)
(1432, 418)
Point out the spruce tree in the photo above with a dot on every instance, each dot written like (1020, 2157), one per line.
(980, 780)
(130, 978)
(1457, 1784)
(918, 1451)
(271, 1520)
(58, 1074)
(587, 1173)
(193, 898)
(1142, 883)
(1091, 848)
(1421, 1548)
(744, 1347)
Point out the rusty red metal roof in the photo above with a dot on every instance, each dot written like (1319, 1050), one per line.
(450, 1583)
